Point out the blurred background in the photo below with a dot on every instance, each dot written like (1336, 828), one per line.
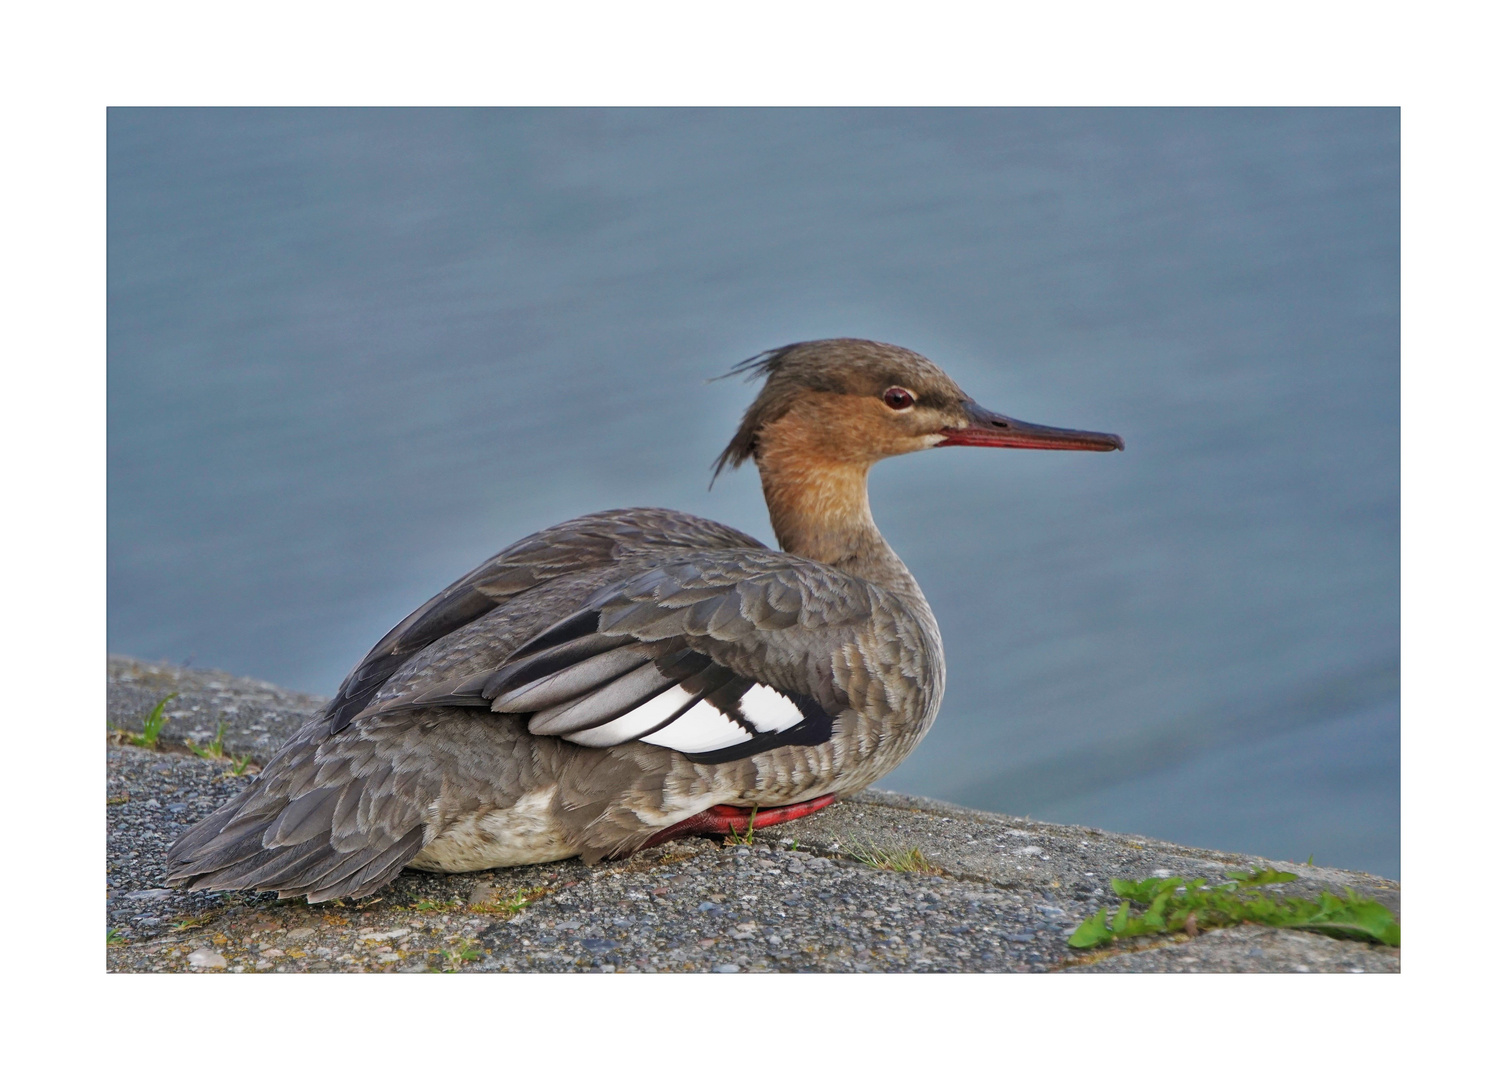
(353, 353)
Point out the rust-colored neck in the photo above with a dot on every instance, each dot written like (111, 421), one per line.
(819, 506)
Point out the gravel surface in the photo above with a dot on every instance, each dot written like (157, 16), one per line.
(994, 893)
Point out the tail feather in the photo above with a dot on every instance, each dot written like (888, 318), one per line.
(323, 875)
(291, 834)
(373, 875)
(306, 817)
(235, 840)
(263, 868)
(205, 831)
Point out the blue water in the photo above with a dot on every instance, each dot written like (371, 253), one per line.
(353, 353)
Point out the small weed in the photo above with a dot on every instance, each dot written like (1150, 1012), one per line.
(735, 837)
(454, 958)
(454, 904)
(523, 898)
(114, 937)
(1173, 904)
(512, 905)
(907, 861)
(117, 800)
(215, 751)
(193, 921)
(152, 726)
(238, 766)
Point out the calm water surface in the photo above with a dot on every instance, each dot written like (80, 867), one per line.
(354, 353)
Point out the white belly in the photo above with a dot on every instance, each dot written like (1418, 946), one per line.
(521, 834)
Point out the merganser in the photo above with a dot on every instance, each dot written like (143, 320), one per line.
(632, 676)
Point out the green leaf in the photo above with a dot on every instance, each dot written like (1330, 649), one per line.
(1147, 890)
(1354, 917)
(1258, 876)
(1092, 932)
(1122, 918)
(1159, 905)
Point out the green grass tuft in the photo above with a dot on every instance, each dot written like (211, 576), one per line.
(152, 726)
(455, 959)
(510, 905)
(215, 751)
(904, 860)
(1174, 904)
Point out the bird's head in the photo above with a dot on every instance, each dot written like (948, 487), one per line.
(848, 402)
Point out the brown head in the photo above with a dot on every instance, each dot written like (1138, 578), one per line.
(831, 409)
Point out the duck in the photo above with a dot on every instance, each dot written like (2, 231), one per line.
(634, 676)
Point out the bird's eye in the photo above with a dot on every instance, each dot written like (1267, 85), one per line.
(898, 398)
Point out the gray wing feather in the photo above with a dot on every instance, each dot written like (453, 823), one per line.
(604, 703)
(571, 683)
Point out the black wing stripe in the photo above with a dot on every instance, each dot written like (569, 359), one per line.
(465, 693)
(570, 683)
(448, 613)
(578, 625)
(527, 669)
(814, 730)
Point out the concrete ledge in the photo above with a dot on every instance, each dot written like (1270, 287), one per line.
(1001, 893)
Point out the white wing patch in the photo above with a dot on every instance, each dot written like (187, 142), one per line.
(623, 695)
(703, 728)
(635, 723)
(769, 710)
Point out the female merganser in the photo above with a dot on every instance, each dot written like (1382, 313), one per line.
(634, 675)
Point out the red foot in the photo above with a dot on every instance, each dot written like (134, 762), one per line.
(722, 820)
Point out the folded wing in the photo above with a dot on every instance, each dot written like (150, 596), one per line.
(596, 540)
(718, 655)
